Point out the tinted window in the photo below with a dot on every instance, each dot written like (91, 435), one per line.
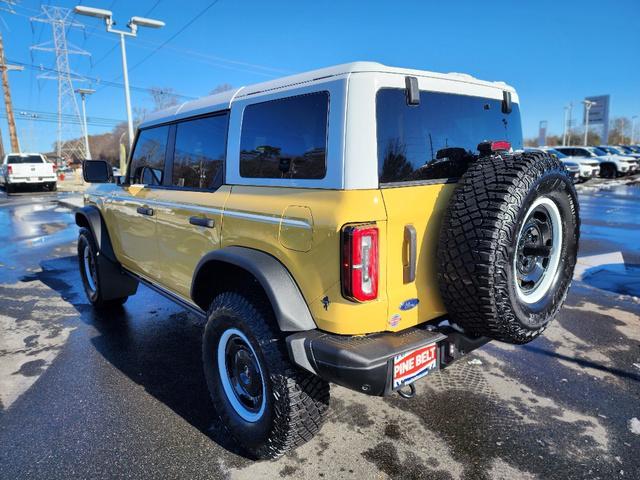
(13, 159)
(285, 138)
(438, 138)
(557, 153)
(199, 152)
(147, 162)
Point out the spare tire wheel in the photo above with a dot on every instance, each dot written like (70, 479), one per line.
(508, 246)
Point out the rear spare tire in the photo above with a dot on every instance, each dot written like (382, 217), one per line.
(508, 246)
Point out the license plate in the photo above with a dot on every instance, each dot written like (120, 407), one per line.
(410, 366)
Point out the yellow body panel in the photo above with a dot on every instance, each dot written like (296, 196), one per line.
(317, 271)
(422, 207)
(300, 227)
(180, 244)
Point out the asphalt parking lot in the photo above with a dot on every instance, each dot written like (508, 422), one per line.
(83, 395)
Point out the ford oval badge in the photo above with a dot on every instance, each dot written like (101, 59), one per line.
(409, 304)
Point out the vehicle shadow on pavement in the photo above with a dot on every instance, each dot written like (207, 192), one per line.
(583, 363)
(153, 342)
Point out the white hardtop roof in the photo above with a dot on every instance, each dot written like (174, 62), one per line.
(223, 100)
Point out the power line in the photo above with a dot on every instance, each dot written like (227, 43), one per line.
(59, 19)
(184, 27)
(96, 80)
(52, 117)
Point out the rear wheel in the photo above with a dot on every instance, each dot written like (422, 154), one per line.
(508, 246)
(89, 271)
(267, 404)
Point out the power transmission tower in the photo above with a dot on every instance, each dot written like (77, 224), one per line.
(69, 141)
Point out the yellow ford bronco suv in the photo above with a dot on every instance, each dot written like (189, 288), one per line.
(361, 225)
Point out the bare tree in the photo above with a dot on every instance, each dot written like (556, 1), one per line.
(223, 87)
(620, 131)
(163, 97)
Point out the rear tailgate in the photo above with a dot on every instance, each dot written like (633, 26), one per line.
(31, 172)
(414, 216)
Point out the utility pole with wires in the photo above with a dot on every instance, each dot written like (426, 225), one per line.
(4, 69)
(69, 138)
(11, 120)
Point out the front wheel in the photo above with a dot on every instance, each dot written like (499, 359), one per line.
(89, 271)
(267, 404)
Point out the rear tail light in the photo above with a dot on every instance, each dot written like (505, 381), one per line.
(9, 169)
(487, 148)
(360, 262)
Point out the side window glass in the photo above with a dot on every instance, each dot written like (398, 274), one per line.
(147, 161)
(285, 138)
(199, 152)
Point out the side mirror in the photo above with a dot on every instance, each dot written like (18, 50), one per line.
(97, 171)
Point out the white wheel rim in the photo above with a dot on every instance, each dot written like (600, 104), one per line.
(87, 268)
(549, 274)
(244, 412)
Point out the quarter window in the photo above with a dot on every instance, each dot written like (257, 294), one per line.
(285, 138)
(199, 152)
(147, 161)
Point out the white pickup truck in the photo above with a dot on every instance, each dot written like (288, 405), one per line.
(27, 169)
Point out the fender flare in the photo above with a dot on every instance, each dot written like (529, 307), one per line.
(92, 217)
(289, 306)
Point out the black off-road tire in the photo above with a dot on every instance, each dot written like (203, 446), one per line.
(479, 242)
(296, 401)
(94, 295)
(9, 188)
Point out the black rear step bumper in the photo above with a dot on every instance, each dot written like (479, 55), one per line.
(365, 363)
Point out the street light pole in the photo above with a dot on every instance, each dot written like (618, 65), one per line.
(564, 129)
(83, 93)
(569, 122)
(133, 25)
(633, 129)
(127, 94)
(587, 105)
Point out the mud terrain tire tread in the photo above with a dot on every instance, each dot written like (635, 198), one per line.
(297, 402)
(474, 252)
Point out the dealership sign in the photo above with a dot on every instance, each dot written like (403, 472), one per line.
(598, 114)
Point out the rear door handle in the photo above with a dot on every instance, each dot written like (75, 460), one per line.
(409, 268)
(145, 211)
(202, 222)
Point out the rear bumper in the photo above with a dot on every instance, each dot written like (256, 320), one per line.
(30, 180)
(365, 363)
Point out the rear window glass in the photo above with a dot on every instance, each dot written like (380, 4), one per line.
(285, 138)
(437, 139)
(199, 152)
(13, 159)
(147, 162)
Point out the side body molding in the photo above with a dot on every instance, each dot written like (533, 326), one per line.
(290, 308)
(114, 282)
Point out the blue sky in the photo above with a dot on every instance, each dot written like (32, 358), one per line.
(553, 52)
